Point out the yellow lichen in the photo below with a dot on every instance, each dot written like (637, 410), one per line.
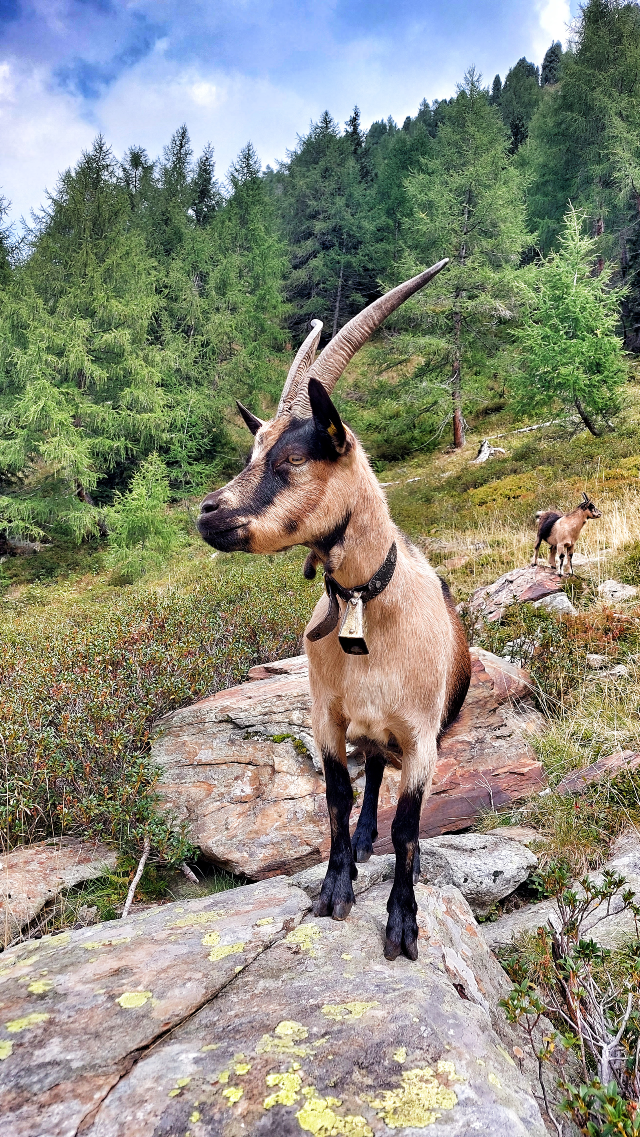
(419, 1098)
(242, 1068)
(39, 986)
(93, 945)
(212, 1046)
(353, 1010)
(289, 1091)
(263, 923)
(211, 939)
(132, 999)
(494, 1081)
(285, 1039)
(505, 1054)
(196, 919)
(60, 940)
(222, 951)
(224, 1076)
(182, 1082)
(16, 1025)
(304, 935)
(400, 1055)
(345, 956)
(173, 1093)
(318, 1117)
(5, 1050)
(233, 1094)
(195, 1116)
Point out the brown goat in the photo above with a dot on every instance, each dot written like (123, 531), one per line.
(561, 531)
(390, 688)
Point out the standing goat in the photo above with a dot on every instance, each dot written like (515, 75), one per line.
(391, 687)
(561, 531)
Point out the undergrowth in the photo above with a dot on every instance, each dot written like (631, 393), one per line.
(86, 669)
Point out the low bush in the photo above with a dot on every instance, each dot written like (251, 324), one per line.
(86, 670)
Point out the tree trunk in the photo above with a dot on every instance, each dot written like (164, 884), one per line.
(459, 438)
(337, 307)
(586, 420)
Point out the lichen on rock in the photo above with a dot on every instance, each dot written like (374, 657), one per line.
(418, 1099)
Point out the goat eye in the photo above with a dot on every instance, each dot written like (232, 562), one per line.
(296, 459)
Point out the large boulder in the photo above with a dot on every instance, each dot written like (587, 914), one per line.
(33, 875)
(240, 767)
(240, 1013)
(537, 584)
(486, 867)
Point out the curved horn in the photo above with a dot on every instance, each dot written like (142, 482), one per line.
(333, 359)
(585, 497)
(305, 356)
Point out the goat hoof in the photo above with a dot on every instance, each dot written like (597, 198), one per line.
(362, 852)
(336, 896)
(408, 947)
(402, 933)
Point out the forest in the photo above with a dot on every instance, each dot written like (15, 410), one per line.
(147, 295)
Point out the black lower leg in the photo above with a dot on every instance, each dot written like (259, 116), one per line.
(336, 897)
(402, 929)
(366, 830)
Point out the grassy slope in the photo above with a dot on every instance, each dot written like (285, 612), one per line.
(86, 666)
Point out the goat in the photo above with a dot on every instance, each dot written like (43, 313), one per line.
(391, 688)
(561, 531)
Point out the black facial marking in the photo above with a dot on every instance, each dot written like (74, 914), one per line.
(325, 415)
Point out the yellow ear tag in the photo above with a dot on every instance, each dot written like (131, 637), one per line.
(332, 429)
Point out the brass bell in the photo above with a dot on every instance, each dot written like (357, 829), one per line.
(351, 636)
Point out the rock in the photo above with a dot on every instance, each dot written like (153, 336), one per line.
(558, 603)
(435, 869)
(317, 1032)
(596, 662)
(78, 1009)
(577, 781)
(32, 875)
(521, 833)
(486, 867)
(524, 585)
(611, 931)
(615, 591)
(240, 768)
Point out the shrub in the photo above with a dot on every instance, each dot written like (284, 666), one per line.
(141, 532)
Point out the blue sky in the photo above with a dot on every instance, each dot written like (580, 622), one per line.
(234, 70)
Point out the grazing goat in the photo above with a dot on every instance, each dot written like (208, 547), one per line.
(392, 686)
(561, 531)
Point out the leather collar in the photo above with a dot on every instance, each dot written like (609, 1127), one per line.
(364, 592)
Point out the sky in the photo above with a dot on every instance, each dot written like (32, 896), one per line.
(234, 71)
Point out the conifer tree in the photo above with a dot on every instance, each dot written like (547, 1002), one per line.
(467, 204)
(571, 355)
(551, 65)
(519, 100)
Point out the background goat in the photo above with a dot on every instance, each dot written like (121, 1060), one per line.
(308, 482)
(561, 531)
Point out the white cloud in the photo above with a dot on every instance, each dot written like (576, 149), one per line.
(42, 134)
(554, 17)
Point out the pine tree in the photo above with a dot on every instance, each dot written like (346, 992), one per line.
(80, 383)
(330, 223)
(467, 204)
(519, 100)
(496, 91)
(551, 65)
(571, 355)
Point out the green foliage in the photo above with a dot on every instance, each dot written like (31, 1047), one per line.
(141, 532)
(467, 204)
(572, 358)
(90, 671)
(518, 100)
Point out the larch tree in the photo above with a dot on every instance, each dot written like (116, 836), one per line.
(467, 204)
(572, 357)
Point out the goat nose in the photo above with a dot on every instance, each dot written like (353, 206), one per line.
(209, 506)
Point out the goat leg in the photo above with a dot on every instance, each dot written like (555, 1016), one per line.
(336, 896)
(366, 830)
(402, 927)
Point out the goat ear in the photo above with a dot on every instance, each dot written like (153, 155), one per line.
(251, 421)
(326, 416)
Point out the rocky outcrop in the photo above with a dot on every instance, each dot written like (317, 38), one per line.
(32, 875)
(616, 592)
(609, 931)
(241, 1013)
(539, 585)
(486, 867)
(241, 770)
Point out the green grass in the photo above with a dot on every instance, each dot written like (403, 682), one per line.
(86, 668)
